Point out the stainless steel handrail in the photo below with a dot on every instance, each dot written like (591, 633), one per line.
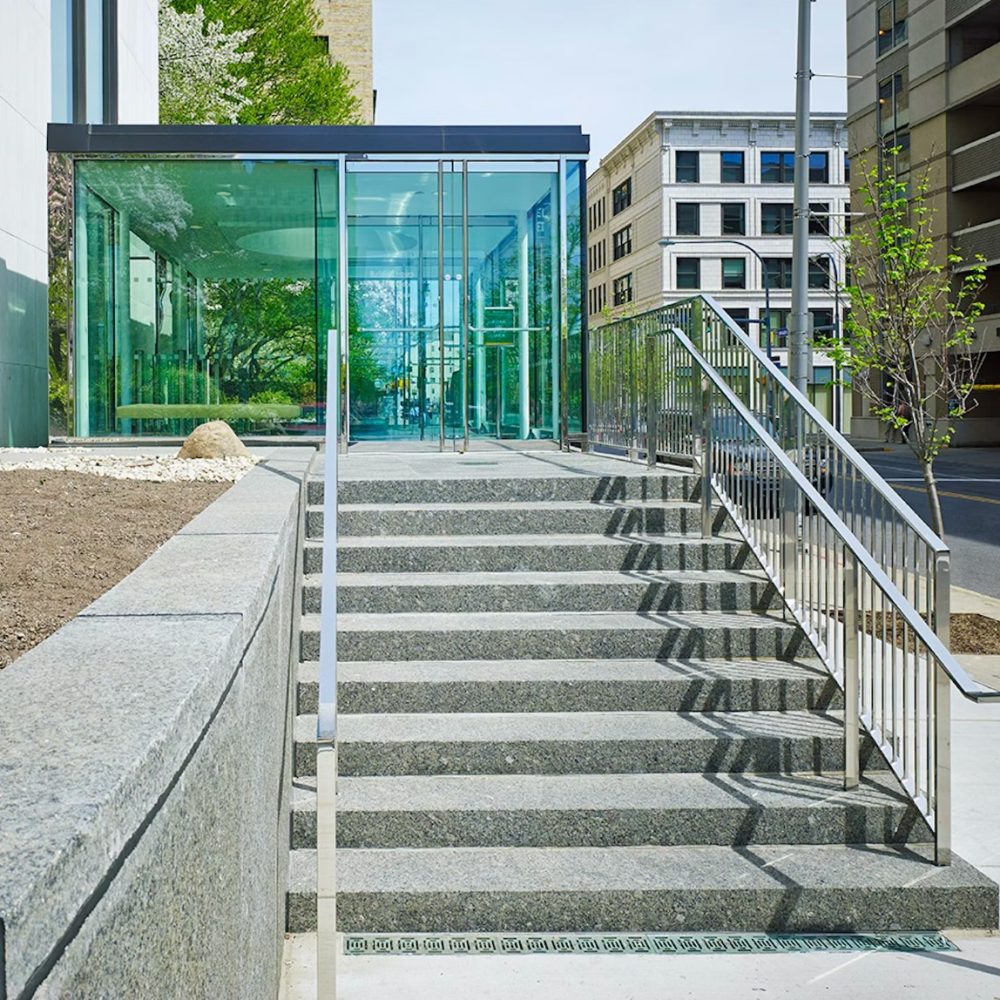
(871, 474)
(972, 689)
(836, 591)
(866, 580)
(907, 550)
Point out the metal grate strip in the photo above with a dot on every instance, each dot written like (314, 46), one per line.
(637, 944)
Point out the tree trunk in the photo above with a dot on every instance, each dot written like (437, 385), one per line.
(933, 500)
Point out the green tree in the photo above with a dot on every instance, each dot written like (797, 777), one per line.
(289, 79)
(909, 345)
(200, 82)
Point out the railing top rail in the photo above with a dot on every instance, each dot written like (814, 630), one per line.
(970, 688)
(891, 497)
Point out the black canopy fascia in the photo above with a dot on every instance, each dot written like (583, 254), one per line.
(558, 140)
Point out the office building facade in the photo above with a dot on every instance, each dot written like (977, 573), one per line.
(928, 83)
(719, 186)
(63, 61)
(346, 30)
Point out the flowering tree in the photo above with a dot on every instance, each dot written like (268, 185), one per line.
(200, 81)
(910, 346)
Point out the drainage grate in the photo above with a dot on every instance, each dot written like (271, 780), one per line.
(636, 944)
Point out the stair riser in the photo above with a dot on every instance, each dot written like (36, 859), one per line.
(680, 554)
(638, 596)
(789, 909)
(710, 642)
(579, 696)
(758, 754)
(582, 488)
(513, 520)
(618, 827)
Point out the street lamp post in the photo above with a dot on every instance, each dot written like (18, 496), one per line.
(674, 241)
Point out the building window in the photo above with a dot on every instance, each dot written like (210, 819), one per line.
(621, 243)
(734, 219)
(734, 272)
(622, 289)
(688, 272)
(776, 218)
(741, 317)
(898, 152)
(893, 102)
(595, 214)
(688, 218)
(778, 271)
(732, 168)
(819, 168)
(822, 321)
(777, 168)
(323, 42)
(686, 164)
(621, 196)
(597, 297)
(891, 26)
(596, 255)
(819, 218)
(84, 42)
(819, 272)
(847, 168)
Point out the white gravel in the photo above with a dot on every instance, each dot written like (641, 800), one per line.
(151, 468)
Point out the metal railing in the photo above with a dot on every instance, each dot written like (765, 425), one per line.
(865, 579)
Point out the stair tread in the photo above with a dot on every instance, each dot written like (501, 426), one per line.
(558, 621)
(618, 870)
(502, 541)
(546, 792)
(551, 505)
(567, 670)
(590, 727)
(483, 578)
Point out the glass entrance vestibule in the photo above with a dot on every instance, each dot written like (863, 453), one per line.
(212, 284)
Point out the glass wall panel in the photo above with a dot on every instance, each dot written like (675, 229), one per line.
(514, 300)
(575, 238)
(394, 259)
(210, 288)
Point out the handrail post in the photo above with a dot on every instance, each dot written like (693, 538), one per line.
(706, 458)
(852, 766)
(652, 413)
(942, 713)
(326, 719)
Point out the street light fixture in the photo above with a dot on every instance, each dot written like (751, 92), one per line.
(674, 241)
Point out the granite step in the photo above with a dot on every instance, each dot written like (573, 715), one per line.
(526, 518)
(533, 635)
(529, 553)
(776, 888)
(368, 687)
(583, 743)
(612, 810)
(480, 487)
(610, 590)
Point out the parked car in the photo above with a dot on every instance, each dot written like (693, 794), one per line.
(749, 471)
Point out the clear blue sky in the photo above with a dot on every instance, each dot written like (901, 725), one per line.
(602, 64)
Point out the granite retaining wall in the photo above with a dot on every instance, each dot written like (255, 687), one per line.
(145, 767)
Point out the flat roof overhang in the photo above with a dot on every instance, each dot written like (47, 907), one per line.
(559, 140)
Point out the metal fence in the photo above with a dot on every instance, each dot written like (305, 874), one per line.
(863, 576)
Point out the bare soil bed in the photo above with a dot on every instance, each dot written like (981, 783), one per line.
(66, 538)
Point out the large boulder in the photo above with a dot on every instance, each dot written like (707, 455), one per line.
(214, 439)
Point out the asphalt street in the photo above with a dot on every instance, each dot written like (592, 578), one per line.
(969, 483)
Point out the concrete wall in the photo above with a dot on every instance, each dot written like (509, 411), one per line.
(25, 110)
(145, 775)
(138, 62)
(25, 102)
